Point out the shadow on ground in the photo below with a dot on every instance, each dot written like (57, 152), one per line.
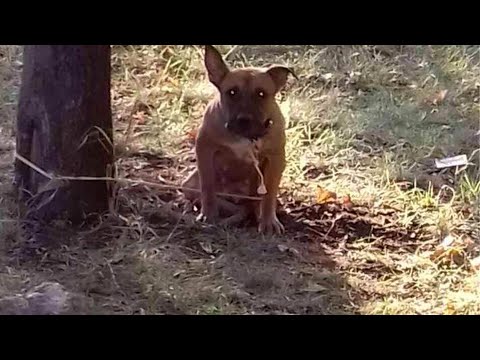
(153, 258)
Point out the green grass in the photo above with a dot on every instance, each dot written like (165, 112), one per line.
(362, 120)
(368, 120)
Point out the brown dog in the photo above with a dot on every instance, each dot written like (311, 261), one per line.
(244, 116)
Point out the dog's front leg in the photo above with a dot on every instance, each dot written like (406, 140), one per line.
(272, 170)
(206, 171)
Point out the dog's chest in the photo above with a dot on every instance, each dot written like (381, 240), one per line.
(235, 163)
(242, 149)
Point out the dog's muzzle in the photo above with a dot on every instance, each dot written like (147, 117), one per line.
(247, 127)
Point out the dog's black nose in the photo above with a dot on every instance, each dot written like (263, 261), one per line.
(243, 122)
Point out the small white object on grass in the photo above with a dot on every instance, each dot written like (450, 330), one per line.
(459, 160)
(448, 241)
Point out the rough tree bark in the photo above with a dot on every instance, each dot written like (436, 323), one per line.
(64, 95)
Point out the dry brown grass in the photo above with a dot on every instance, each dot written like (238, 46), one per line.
(364, 121)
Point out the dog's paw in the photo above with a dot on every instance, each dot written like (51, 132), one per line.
(271, 224)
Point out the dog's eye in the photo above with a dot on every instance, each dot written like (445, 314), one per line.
(232, 92)
(261, 93)
(268, 123)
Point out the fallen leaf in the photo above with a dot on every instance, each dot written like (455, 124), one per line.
(450, 251)
(324, 196)
(192, 135)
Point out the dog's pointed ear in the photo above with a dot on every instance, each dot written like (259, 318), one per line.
(279, 74)
(216, 67)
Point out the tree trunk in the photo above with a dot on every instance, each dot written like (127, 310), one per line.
(64, 96)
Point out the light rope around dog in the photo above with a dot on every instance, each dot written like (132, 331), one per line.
(136, 182)
(262, 190)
